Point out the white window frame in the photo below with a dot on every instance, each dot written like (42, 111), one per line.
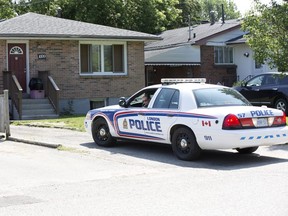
(102, 72)
(224, 63)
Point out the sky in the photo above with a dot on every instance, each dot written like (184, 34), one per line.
(245, 5)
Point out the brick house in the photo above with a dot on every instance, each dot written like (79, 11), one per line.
(91, 64)
(215, 51)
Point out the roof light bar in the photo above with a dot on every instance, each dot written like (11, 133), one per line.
(180, 80)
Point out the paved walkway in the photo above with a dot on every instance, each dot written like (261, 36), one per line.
(50, 137)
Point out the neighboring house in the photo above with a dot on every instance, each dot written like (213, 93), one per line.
(91, 64)
(216, 51)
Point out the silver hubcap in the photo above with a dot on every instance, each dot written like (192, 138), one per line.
(183, 143)
(281, 106)
(102, 132)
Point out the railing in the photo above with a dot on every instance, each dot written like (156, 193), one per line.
(15, 91)
(51, 89)
(53, 94)
(16, 95)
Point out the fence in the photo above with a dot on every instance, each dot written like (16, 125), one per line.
(4, 115)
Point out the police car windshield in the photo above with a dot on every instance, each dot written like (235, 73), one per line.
(212, 97)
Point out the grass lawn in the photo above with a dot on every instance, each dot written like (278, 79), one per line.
(74, 122)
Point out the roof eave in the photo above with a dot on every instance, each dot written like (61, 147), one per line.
(203, 41)
(57, 36)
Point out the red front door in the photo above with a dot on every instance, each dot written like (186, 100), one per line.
(17, 62)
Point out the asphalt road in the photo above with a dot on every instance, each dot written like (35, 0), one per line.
(138, 179)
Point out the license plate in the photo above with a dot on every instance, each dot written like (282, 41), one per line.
(261, 122)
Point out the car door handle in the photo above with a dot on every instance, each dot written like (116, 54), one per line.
(274, 89)
(141, 113)
(256, 89)
(170, 115)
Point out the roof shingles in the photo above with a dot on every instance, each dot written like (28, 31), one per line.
(198, 33)
(37, 25)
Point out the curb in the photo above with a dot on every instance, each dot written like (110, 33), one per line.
(49, 145)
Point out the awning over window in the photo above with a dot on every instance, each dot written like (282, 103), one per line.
(172, 64)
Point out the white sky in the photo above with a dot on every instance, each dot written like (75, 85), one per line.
(245, 5)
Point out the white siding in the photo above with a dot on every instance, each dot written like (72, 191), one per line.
(223, 38)
(246, 65)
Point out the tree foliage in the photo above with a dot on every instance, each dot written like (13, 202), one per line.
(230, 9)
(6, 9)
(150, 16)
(268, 34)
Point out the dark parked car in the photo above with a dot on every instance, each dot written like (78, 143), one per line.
(270, 89)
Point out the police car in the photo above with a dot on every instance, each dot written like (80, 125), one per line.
(190, 115)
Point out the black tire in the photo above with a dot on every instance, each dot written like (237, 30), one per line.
(281, 104)
(101, 133)
(247, 150)
(184, 144)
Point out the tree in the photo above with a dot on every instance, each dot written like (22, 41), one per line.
(189, 12)
(48, 7)
(150, 16)
(268, 34)
(6, 9)
(230, 9)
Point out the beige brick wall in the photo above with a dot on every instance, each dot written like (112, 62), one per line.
(225, 74)
(62, 61)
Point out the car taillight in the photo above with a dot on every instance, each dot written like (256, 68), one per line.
(231, 122)
(279, 120)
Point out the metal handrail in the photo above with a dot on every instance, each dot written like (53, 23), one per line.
(53, 94)
(16, 95)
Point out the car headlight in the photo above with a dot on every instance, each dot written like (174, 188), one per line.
(88, 116)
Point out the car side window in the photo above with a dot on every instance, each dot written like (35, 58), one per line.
(269, 80)
(167, 99)
(257, 81)
(283, 80)
(137, 100)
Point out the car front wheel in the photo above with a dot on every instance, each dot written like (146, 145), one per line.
(184, 144)
(281, 104)
(101, 133)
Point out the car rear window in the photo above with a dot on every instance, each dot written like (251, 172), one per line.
(219, 97)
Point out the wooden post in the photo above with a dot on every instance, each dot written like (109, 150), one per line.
(6, 114)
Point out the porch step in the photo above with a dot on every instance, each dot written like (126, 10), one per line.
(37, 109)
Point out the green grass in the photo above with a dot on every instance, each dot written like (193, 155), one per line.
(74, 122)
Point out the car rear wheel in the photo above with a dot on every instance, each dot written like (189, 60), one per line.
(247, 150)
(184, 144)
(281, 104)
(101, 133)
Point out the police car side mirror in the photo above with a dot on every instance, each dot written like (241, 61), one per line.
(122, 102)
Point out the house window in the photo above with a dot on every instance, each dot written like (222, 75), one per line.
(103, 58)
(97, 103)
(223, 55)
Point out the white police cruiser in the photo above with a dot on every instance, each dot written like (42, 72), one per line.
(191, 116)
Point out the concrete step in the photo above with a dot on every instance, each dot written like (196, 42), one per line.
(35, 117)
(35, 101)
(37, 109)
(36, 106)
